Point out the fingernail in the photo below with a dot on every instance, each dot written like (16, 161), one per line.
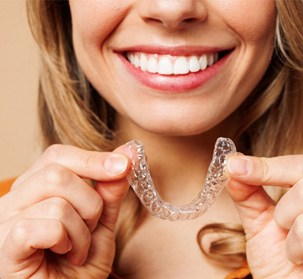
(116, 164)
(238, 166)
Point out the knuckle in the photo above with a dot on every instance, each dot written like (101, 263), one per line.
(59, 231)
(265, 172)
(88, 162)
(53, 152)
(96, 210)
(58, 208)
(21, 231)
(92, 214)
(57, 175)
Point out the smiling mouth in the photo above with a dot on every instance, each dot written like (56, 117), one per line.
(165, 64)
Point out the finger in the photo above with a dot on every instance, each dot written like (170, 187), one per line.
(102, 249)
(87, 164)
(290, 206)
(282, 171)
(294, 241)
(54, 181)
(62, 211)
(103, 239)
(254, 205)
(30, 235)
(113, 194)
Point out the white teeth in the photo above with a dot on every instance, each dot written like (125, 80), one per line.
(143, 62)
(171, 65)
(165, 66)
(203, 62)
(152, 65)
(136, 61)
(181, 66)
(194, 65)
(210, 60)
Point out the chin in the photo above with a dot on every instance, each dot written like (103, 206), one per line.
(175, 129)
(171, 123)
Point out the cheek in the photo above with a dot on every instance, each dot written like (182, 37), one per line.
(93, 23)
(251, 20)
(94, 20)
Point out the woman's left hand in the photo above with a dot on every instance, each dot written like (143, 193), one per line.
(274, 231)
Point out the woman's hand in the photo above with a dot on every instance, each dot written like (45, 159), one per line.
(53, 224)
(274, 232)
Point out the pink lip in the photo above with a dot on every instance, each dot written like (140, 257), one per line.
(173, 83)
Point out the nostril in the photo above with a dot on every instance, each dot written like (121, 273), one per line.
(173, 14)
(153, 20)
(189, 20)
(172, 23)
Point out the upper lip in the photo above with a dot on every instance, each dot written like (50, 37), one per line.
(173, 50)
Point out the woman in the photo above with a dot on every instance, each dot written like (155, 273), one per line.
(113, 71)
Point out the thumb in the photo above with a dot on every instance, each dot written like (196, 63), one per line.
(254, 205)
(113, 192)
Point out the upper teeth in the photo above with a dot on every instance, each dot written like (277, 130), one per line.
(171, 65)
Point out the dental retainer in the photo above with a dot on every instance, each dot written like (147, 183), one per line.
(141, 182)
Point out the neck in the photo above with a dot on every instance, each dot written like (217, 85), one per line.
(178, 165)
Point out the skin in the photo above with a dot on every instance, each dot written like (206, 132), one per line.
(273, 230)
(137, 23)
(56, 216)
(47, 211)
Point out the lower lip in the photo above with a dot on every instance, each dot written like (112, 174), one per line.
(174, 83)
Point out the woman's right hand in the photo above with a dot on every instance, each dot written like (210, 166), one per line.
(54, 224)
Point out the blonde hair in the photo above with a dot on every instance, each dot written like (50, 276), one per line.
(72, 112)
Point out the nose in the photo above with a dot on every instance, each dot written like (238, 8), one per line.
(174, 14)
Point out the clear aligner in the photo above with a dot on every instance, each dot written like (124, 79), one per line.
(141, 182)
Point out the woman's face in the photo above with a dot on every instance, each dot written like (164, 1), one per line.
(172, 66)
